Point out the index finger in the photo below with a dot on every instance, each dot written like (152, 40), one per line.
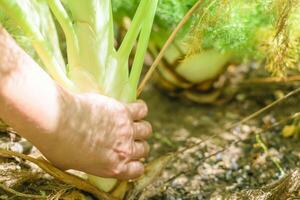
(138, 110)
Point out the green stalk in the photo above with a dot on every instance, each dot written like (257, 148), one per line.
(134, 30)
(127, 93)
(67, 26)
(90, 40)
(141, 50)
(93, 24)
(118, 72)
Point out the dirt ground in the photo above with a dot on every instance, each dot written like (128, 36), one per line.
(193, 174)
(243, 165)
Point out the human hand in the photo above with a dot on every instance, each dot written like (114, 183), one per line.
(100, 136)
(86, 132)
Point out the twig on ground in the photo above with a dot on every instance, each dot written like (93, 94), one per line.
(255, 114)
(246, 119)
(19, 194)
(60, 175)
(271, 105)
(288, 79)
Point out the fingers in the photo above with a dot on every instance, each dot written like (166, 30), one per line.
(141, 150)
(131, 167)
(138, 110)
(142, 130)
(132, 170)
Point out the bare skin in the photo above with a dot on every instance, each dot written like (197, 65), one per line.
(86, 132)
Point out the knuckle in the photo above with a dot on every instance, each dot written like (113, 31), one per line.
(121, 121)
(121, 109)
(121, 130)
(115, 172)
(116, 168)
(124, 153)
(127, 153)
(131, 152)
(126, 132)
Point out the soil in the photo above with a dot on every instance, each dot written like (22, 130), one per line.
(192, 174)
(243, 165)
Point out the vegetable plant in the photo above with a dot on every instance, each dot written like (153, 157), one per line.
(84, 30)
(245, 29)
(222, 32)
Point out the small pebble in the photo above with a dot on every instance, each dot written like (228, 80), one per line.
(246, 129)
(239, 180)
(27, 146)
(241, 97)
(228, 175)
(180, 181)
(16, 147)
(200, 197)
(181, 135)
(247, 167)
(171, 198)
(234, 165)
(219, 157)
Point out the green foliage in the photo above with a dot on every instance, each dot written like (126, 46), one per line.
(168, 15)
(171, 12)
(247, 29)
(123, 8)
(257, 29)
(284, 50)
(231, 26)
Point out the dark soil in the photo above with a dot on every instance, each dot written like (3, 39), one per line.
(243, 165)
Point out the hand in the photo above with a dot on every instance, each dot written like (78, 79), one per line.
(87, 132)
(100, 136)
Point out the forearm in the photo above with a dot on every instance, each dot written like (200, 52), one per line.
(29, 99)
